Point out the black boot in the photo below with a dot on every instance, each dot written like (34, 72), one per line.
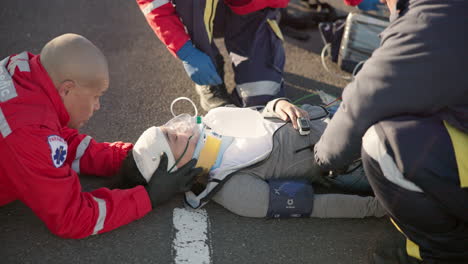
(392, 252)
(212, 96)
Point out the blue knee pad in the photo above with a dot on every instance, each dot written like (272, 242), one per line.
(290, 199)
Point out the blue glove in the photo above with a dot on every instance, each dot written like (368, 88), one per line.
(198, 65)
(367, 5)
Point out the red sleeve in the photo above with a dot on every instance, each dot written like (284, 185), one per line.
(41, 179)
(243, 7)
(163, 19)
(352, 2)
(87, 156)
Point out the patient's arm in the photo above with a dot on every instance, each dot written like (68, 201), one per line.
(283, 109)
(289, 112)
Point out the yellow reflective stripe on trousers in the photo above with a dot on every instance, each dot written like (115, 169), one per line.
(412, 249)
(209, 153)
(210, 12)
(460, 147)
(274, 26)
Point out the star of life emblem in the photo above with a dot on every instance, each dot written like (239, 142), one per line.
(59, 149)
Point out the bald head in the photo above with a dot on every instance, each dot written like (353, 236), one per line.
(73, 57)
(79, 72)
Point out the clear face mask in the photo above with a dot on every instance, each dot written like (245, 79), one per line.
(183, 125)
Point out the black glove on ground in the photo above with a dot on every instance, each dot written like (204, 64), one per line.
(164, 185)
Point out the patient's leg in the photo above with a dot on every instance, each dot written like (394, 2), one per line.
(245, 195)
(346, 206)
(248, 195)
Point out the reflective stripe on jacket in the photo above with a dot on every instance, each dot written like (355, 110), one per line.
(40, 157)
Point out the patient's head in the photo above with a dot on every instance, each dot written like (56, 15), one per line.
(182, 144)
(178, 144)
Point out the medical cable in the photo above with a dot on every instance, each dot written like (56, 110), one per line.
(173, 114)
(183, 153)
(314, 94)
(180, 99)
(327, 113)
(357, 67)
(332, 102)
(305, 97)
(326, 49)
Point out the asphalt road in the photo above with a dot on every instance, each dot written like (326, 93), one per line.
(145, 78)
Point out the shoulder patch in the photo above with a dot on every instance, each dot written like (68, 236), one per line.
(59, 148)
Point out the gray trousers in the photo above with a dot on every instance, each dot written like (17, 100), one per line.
(256, 52)
(247, 192)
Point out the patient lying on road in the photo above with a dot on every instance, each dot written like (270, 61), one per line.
(265, 176)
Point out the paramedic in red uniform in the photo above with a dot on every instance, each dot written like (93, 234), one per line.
(44, 99)
(251, 35)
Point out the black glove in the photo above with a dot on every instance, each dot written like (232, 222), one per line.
(163, 185)
(130, 175)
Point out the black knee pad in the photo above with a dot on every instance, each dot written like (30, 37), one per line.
(290, 199)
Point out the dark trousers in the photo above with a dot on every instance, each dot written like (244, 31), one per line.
(256, 52)
(411, 166)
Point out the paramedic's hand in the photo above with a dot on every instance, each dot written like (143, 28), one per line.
(368, 5)
(164, 185)
(287, 111)
(198, 65)
(131, 175)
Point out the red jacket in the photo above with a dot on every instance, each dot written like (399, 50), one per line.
(163, 19)
(352, 2)
(40, 158)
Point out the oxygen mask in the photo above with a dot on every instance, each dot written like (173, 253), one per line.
(182, 129)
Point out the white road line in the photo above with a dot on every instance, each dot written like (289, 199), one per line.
(191, 244)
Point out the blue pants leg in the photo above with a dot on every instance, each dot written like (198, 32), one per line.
(257, 56)
(256, 52)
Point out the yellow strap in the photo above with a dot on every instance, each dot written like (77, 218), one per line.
(209, 153)
(274, 25)
(411, 248)
(460, 146)
(210, 12)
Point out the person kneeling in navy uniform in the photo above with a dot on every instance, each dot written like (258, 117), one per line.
(406, 115)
